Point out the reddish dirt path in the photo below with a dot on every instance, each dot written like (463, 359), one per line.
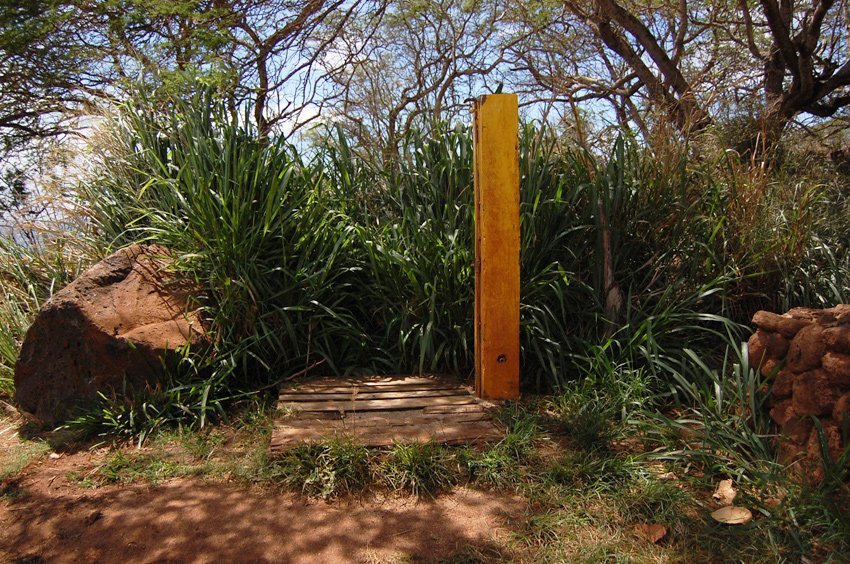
(189, 520)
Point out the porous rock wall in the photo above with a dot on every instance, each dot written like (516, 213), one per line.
(806, 355)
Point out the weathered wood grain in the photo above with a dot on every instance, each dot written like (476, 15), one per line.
(371, 436)
(380, 404)
(379, 411)
(360, 395)
(497, 246)
(377, 381)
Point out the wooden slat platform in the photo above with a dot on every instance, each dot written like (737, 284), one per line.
(378, 411)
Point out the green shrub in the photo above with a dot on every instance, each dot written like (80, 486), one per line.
(324, 470)
(421, 469)
(31, 269)
(326, 254)
(248, 220)
(722, 427)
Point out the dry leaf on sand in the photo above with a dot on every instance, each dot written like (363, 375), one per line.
(732, 515)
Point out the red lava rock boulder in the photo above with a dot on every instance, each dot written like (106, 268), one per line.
(838, 367)
(812, 393)
(841, 408)
(785, 325)
(811, 379)
(806, 350)
(765, 345)
(838, 338)
(783, 384)
(114, 326)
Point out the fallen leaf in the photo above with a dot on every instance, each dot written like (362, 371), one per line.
(725, 493)
(652, 532)
(668, 476)
(732, 515)
(772, 502)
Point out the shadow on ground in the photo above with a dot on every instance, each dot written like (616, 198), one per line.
(192, 521)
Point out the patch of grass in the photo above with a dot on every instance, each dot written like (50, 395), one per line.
(592, 471)
(588, 421)
(523, 430)
(178, 401)
(421, 469)
(169, 454)
(200, 445)
(613, 385)
(472, 554)
(721, 428)
(491, 466)
(324, 470)
(542, 527)
(587, 506)
(123, 468)
(254, 417)
(86, 480)
(12, 491)
(17, 455)
(648, 500)
(502, 464)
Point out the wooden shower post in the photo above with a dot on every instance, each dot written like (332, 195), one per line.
(497, 239)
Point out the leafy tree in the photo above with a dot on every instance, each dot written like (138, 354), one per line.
(281, 53)
(377, 66)
(694, 62)
(46, 73)
(61, 58)
(424, 60)
(13, 189)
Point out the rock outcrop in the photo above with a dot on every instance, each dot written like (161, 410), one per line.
(113, 327)
(806, 353)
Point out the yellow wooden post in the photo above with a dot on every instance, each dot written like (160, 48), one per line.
(497, 240)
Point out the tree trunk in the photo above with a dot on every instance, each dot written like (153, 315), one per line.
(612, 294)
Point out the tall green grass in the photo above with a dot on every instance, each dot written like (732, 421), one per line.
(721, 428)
(32, 266)
(250, 223)
(328, 255)
(15, 320)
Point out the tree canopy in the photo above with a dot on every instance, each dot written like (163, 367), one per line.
(380, 67)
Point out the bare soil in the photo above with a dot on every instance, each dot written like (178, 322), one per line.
(48, 516)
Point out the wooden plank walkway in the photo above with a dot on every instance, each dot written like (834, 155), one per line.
(378, 411)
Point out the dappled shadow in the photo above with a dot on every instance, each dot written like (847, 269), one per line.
(61, 440)
(371, 378)
(184, 521)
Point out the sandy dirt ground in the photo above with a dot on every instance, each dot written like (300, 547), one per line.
(45, 516)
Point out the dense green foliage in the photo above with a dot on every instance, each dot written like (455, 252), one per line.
(29, 273)
(327, 259)
(333, 256)
(353, 252)
(327, 255)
